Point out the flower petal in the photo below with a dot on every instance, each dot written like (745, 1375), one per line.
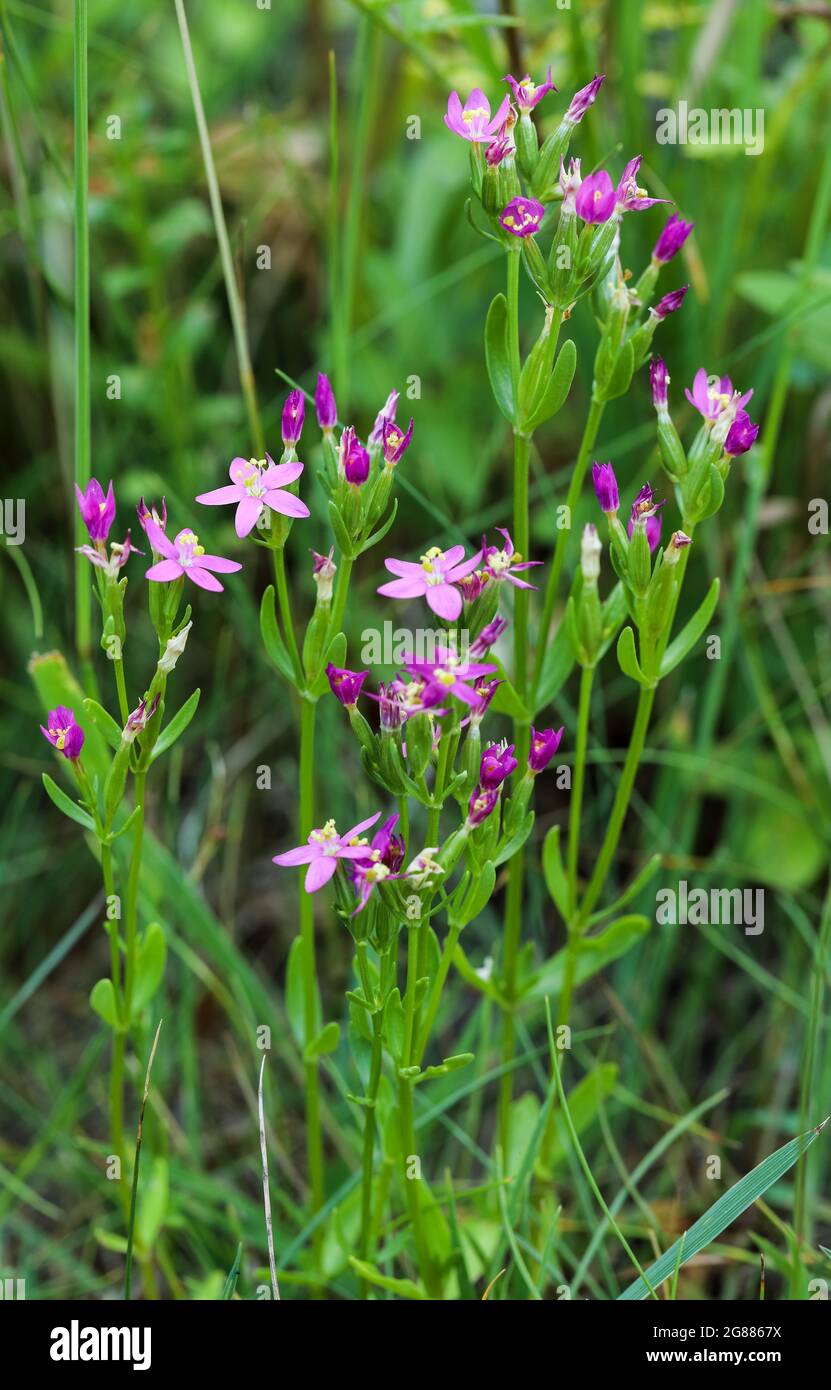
(157, 538)
(286, 503)
(281, 474)
(405, 568)
(303, 854)
(247, 515)
(445, 601)
(319, 872)
(220, 496)
(404, 588)
(203, 579)
(361, 827)
(164, 571)
(218, 564)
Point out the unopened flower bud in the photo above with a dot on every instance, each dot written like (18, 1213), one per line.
(175, 646)
(590, 549)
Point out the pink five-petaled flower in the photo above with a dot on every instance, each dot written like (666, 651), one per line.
(503, 564)
(64, 732)
(527, 93)
(645, 509)
(434, 578)
(522, 216)
(395, 443)
(713, 396)
(345, 685)
(323, 850)
(598, 198)
(97, 511)
(117, 559)
(386, 855)
(255, 484)
(450, 675)
(185, 556)
(473, 120)
(544, 744)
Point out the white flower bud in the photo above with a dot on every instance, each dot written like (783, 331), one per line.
(176, 645)
(590, 549)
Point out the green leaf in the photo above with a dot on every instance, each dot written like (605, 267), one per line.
(554, 872)
(596, 952)
(64, 803)
(506, 700)
(690, 633)
(714, 495)
(105, 722)
(405, 1288)
(295, 993)
(618, 382)
(336, 653)
(470, 976)
(272, 641)
(325, 1042)
(497, 358)
(638, 882)
(343, 540)
(149, 967)
(516, 841)
(153, 1203)
(476, 896)
(394, 1026)
(461, 1059)
(102, 1000)
(723, 1212)
(558, 665)
(558, 387)
(627, 658)
(382, 530)
(177, 726)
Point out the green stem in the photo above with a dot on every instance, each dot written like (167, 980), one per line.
(451, 941)
(314, 1136)
(576, 803)
(285, 614)
(587, 442)
(235, 305)
(341, 592)
(621, 805)
(369, 1144)
(121, 687)
(83, 593)
(131, 909)
(407, 1124)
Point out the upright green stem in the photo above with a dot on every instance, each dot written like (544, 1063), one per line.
(314, 1136)
(587, 443)
(341, 591)
(407, 1124)
(118, 1041)
(284, 603)
(516, 870)
(576, 803)
(131, 908)
(235, 305)
(646, 699)
(121, 687)
(83, 593)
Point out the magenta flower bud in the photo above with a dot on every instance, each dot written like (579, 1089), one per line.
(482, 803)
(385, 414)
(64, 732)
(473, 121)
(669, 303)
(646, 511)
(394, 443)
(324, 570)
(473, 584)
(595, 199)
(97, 511)
(498, 150)
(293, 412)
(138, 720)
(678, 541)
(582, 100)
(527, 93)
(544, 744)
(354, 458)
(672, 238)
(386, 847)
(741, 436)
(498, 762)
(345, 685)
(159, 517)
(658, 381)
(325, 408)
(522, 217)
(489, 635)
(605, 485)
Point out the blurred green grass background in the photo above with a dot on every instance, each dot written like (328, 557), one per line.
(736, 788)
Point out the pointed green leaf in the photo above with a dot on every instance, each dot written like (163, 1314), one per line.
(596, 952)
(177, 726)
(102, 1000)
(554, 871)
(627, 657)
(149, 967)
(105, 722)
(691, 632)
(325, 1042)
(64, 803)
(558, 387)
(496, 356)
(724, 1212)
(272, 641)
(405, 1288)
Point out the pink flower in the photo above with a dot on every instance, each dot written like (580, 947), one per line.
(473, 120)
(185, 556)
(433, 578)
(255, 484)
(97, 511)
(713, 396)
(323, 850)
(503, 564)
(64, 732)
(117, 559)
